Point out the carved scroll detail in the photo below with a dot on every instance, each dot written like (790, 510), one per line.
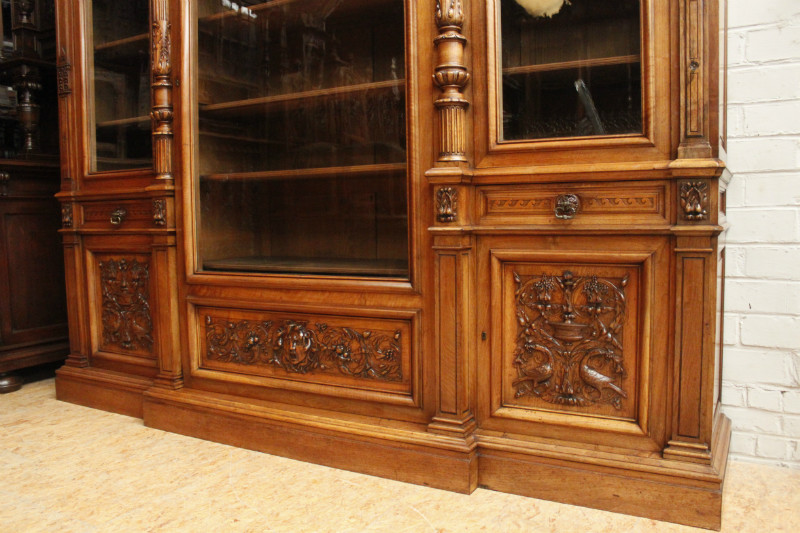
(447, 204)
(300, 347)
(66, 215)
(162, 90)
(451, 76)
(126, 318)
(569, 342)
(694, 200)
(160, 212)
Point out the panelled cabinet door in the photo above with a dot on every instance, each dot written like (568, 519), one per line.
(574, 340)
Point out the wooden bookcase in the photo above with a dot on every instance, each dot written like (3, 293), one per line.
(33, 321)
(453, 244)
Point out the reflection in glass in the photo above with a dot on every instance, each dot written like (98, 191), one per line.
(121, 86)
(302, 155)
(570, 68)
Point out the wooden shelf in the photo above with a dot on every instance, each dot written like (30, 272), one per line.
(582, 63)
(267, 103)
(351, 5)
(120, 43)
(123, 121)
(312, 265)
(309, 173)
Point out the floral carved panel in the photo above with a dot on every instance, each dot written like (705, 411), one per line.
(573, 337)
(126, 320)
(307, 348)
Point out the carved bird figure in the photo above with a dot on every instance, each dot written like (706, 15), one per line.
(597, 380)
(542, 8)
(534, 365)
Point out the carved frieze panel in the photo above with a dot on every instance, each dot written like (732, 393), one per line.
(126, 320)
(644, 203)
(571, 338)
(309, 348)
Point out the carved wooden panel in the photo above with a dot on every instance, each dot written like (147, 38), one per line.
(694, 200)
(570, 338)
(538, 204)
(126, 322)
(339, 350)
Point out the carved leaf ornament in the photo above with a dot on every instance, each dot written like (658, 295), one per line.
(299, 347)
(568, 346)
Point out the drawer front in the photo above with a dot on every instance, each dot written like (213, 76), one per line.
(355, 352)
(575, 204)
(121, 214)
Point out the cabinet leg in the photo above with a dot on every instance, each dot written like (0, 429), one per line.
(9, 382)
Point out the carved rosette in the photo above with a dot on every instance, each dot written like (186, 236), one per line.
(160, 212)
(66, 215)
(162, 90)
(447, 204)
(126, 318)
(569, 341)
(694, 200)
(299, 347)
(451, 76)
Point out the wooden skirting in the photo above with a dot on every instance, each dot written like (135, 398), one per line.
(410, 456)
(102, 389)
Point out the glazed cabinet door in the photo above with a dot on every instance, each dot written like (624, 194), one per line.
(574, 334)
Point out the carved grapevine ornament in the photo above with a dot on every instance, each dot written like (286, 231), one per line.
(568, 346)
(126, 310)
(299, 347)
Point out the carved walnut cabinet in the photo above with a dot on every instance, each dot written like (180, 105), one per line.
(453, 243)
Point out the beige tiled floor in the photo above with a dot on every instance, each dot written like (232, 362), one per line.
(69, 468)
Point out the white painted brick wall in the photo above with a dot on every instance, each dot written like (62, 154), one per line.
(761, 368)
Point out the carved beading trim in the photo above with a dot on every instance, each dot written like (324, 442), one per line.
(126, 318)
(569, 341)
(694, 200)
(162, 112)
(300, 347)
(451, 76)
(66, 215)
(160, 212)
(447, 204)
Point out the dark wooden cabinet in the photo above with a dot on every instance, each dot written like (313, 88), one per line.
(454, 244)
(33, 323)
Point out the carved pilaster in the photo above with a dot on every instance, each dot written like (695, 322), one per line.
(63, 73)
(694, 81)
(162, 90)
(455, 337)
(451, 76)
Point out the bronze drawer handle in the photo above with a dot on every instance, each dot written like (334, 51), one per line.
(118, 215)
(567, 206)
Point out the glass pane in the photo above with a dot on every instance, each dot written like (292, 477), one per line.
(121, 44)
(570, 68)
(302, 156)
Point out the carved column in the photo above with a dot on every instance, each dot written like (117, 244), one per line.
(696, 106)
(162, 91)
(451, 77)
